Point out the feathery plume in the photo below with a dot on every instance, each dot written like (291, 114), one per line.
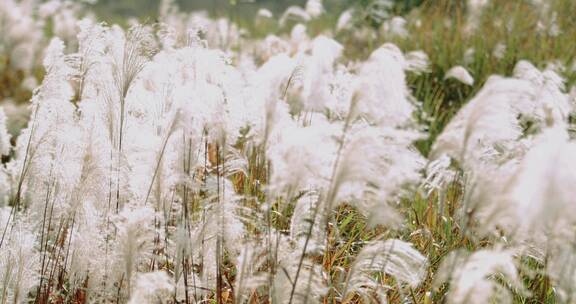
(461, 74)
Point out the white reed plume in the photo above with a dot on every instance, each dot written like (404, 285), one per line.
(295, 14)
(19, 262)
(388, 104)
(488, 120)
(306, 224)
(134, 243)
(151, 287)
(461, 74)
(298, 280)
(393, 257)
(5, 145)
(249, 279)
(314, 8)
(477, 277)
(537, 189)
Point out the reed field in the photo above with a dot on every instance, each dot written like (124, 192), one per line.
(367, 151)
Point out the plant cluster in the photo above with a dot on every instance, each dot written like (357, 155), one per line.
(184, 162)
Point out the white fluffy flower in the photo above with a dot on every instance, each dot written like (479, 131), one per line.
(394, 257)
(499, 51)
(461, 74)
(152, 287)
(473, 277)
(384, 104)
(264, 13)
(314, 8)
(295, 14)
(4, 136)
(395, 26)
(345, 20)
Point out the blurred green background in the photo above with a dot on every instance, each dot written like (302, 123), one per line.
(112, 10)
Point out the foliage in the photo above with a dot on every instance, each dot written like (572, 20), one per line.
(425, 157)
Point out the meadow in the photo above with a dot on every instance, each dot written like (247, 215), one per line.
(393, 152)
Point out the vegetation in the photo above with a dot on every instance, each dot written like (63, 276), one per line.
(398, 152)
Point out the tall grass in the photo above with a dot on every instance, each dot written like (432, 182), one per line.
(426, 158)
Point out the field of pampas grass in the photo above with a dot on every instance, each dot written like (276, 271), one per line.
(410, 152)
